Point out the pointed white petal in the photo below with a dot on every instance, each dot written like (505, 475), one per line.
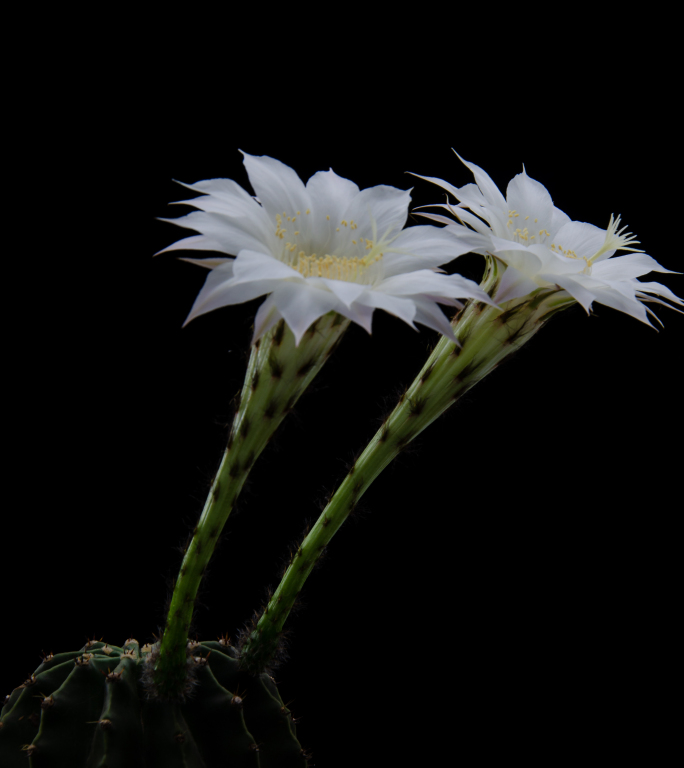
(331, 194)
(358, 313)
(558, 220)
(582, 238)
(439, 182)
(430, 315)
(531, 202)
(435, 246)
(486, 185)
(193, 243)
(210, 263)
(513, 285)
(301, 304)
(387, 205)
(277, 186)
(516, 255)
(253, 265)
(573, 285)
(266, 317)
(231, 235)
(617, 301)
(403, 308)
(347, 293)
(628, 266)
(226, 189)
(659, 290)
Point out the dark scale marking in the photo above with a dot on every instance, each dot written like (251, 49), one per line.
(384, 434)
(326, 521)
(234, 470)
(278, 333)
(270, 410)
(352, 469)
(313, 327)
(214, 532)
(215, 493)
(403, 443)
(250, 459)
(337, 320)
(244, 428)
(305, 368)
(427, 374)
(275, 366)
(468, 371)
(231, 439)
(255, 380)
(184, 570)
(416, 406)
(198, 548)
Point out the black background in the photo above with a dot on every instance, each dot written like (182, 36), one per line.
(506, 588)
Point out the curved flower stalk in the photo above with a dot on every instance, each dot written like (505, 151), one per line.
(532, 282)
(316, 252)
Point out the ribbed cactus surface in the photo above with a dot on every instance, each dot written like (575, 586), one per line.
(89, 709)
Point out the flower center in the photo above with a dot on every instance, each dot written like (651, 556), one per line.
(359, 266)
(522, 234)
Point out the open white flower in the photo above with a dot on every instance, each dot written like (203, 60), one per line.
(323, 247)
(543, 248)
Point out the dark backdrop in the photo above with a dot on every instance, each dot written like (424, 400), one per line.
(506, 586)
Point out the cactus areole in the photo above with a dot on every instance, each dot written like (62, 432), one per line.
(91, 708)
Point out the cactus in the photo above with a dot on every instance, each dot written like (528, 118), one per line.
(89, 708)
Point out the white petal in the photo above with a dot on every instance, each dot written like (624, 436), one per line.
(266, 317)
(558, 220)
(331, 194)
(193, 243)
(516, 255)
(530, 200)
(388, 206)
(252, 265)
(301, 304)
(230, 235)
(219, 291)
(582, 238)
(439, 182)
(513, 285)
(429, 314)
(347, 293)
(359, 314)
(486, 185)
(573, 285)
(613, 299)
(277, 186)
(226, 189)
(211, 263)
(403, 308)
(625, 267)
(421, 281)
(435, 246)
(659, 290)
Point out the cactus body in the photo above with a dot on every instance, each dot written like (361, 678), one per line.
(89, 709)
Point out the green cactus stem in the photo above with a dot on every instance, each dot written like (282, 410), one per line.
(88, 709)
(278, 372)
(487, 335)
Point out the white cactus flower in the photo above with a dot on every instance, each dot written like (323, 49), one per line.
(323, 247)
(541, 247)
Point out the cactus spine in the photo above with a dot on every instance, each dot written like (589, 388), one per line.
(278, 372)
(486, 335)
